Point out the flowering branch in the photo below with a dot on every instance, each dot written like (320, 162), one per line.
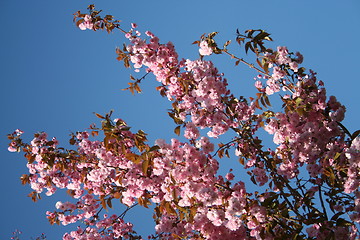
(192, 199)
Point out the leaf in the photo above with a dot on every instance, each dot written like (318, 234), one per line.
(24, 179)
(72, 141)
(262, 101)
(126, 62)
(109, 203)
(337, 155)
(226, 44)
(298, 101)
(174, 196)
(221, 153)
(70, 192)
(267, 100)
(170, 209)
(177, 130)
(257, 105)
(262, 35)
(240, 40)
(103, 203)
(213, 34)
(247, 45)
(259, 63)
(34, 196)
(145, 166)
(332, 177)
(193, 211)
(227, 153)
(301, 111)
(158, 211)
(266, 67)
(145, 202)
(154, 148)
(175, 236)
(137, 88)
(181, 215)
(99, 116)
(133, 157)
(336, 216)
(252, 178)
(117, 195)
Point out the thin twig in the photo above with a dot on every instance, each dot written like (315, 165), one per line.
(246, 63)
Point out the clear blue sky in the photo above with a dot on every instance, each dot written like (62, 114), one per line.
(53, 75)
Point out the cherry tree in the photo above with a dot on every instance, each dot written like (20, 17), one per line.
(306, 187)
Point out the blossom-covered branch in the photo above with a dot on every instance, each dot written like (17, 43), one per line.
(307, 187)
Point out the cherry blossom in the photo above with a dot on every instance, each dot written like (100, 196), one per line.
(205, 50)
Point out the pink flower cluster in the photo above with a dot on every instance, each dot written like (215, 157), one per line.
(190, 177)
(280, 61)
(305, 134)
(196, 87)
(13, 145)
(181, 177)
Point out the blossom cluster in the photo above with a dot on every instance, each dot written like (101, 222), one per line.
(196, 87)
(180, 177)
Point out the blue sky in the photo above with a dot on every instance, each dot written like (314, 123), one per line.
(54, 76)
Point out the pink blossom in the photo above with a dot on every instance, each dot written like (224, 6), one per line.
(87, 18)
(294, 66)
(18, 132)
(87, 23)
(216, 216)
(313, 230)
(205, 50)
(12, 149)
(258, 84)
(229, 176)
(191, 132)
